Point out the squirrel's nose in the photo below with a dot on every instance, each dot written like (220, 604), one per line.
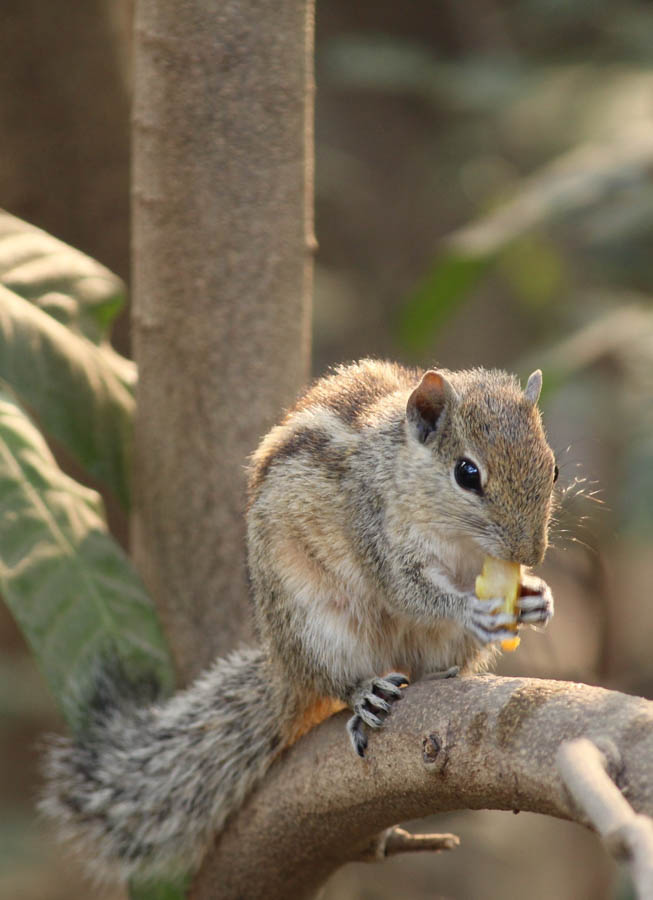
(529, 551)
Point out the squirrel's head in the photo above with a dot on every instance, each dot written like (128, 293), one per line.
(485, 466)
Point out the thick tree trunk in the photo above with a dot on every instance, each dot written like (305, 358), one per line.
(222, 272)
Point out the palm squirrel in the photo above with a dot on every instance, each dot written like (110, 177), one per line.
(371, 508)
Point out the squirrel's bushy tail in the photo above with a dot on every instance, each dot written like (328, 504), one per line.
(144, 788)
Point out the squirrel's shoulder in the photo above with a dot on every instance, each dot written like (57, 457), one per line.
(329, 417)
(350, 391)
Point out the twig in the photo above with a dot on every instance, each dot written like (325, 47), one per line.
(398, 840)
(584, 770)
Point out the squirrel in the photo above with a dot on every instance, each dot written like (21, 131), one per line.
(370, 510)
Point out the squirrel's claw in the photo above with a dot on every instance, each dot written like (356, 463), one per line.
(377, 702)
(490, 625)
(535, 602)
(486, 622)
(357, 736)
(390, 685)
(371, 704)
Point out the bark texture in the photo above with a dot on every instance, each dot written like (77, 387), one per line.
(222, 271)
(472, 743)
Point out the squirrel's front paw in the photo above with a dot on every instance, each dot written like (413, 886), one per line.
(535, 601)
(487, 622)
(371, 704)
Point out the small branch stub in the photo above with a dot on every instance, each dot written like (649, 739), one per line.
(431, 747)
(398, 840)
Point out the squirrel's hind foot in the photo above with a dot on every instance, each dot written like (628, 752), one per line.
(371, 704)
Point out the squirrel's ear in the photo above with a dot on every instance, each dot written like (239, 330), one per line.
(426, 403)
(533, 387)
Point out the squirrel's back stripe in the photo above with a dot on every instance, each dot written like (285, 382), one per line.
(330, 415)
(351, 391)
(314, 443)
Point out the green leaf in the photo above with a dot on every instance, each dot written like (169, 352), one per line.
(172, 890)
(63, 282)
(534, 269)
(81, 393)
(69, 585)
(452, 277)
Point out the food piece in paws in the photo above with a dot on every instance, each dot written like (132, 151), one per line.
(499, 578)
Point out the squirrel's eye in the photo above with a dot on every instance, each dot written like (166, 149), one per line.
(467, 475)
(556, 472)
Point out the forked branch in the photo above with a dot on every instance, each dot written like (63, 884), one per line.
(586, 768)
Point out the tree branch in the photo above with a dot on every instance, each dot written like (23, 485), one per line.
(585, 771)
(468, 743)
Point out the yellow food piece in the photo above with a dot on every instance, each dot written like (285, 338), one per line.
(501, 579)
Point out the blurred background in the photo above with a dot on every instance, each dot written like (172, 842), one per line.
(484, 196)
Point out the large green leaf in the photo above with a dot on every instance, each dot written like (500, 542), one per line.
(63, 282)
(81, 393)
(69, 585)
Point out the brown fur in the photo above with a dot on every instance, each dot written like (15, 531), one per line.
(335, 491)
(321, 709)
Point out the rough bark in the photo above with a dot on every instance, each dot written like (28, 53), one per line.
(473, 743)
(222, 270)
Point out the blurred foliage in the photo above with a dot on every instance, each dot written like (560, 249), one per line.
(573, 191)
(67, 284)
(543, 149)
(171, 890)
(616, 349)
(67, 582)
(596, 196)
(56, 308)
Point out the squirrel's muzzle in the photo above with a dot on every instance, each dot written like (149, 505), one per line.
(528, 550)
